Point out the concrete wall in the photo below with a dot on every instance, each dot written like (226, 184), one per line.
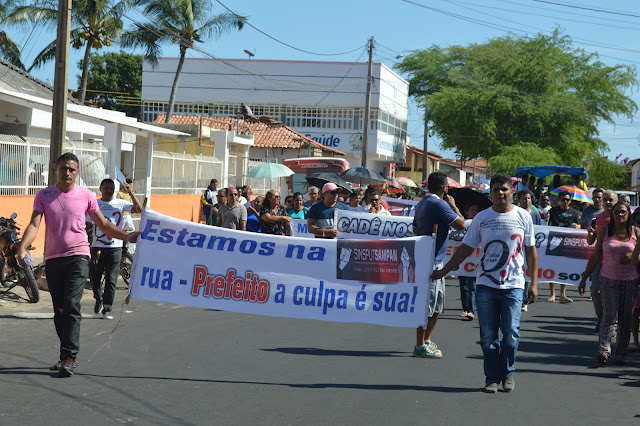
(186, 207)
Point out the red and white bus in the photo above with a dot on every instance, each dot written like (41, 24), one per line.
(307, 165)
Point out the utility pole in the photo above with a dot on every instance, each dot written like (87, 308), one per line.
(425, 172)
(367, 106)
(60, 81)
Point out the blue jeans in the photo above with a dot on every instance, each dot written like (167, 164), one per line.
(468, 293)
(499, 309)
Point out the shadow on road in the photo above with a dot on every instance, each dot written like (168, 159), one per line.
(331, 352)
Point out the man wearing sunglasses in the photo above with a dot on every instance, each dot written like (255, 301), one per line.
(375, 205)
(321, 219)
(562, 215)
(232, 215)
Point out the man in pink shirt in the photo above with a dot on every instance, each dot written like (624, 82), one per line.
(65, 206)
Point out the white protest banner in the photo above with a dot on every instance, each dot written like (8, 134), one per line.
(380, 281)
(400, 207)
(299, 229)
(563, 254)
(371, 226)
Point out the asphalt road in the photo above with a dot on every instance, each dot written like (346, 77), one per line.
(167, 364)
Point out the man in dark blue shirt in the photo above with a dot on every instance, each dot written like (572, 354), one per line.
(437, 209)
(322, 216)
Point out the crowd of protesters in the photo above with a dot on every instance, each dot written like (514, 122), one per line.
(497, 296)
(232, 208)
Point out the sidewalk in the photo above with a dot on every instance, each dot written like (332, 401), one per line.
(16, 304)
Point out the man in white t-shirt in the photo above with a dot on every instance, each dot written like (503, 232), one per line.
(506, 235)
(106, 252)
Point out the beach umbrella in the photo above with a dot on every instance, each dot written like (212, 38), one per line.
(479, 185)
(576, 193)
(270, 171)
(391, 186)
(319, 179)
(405, 181)
(362, 176)
(466, 197)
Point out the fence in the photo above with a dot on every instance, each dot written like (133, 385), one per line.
(24, 164)
(261, 186)
(174, 173)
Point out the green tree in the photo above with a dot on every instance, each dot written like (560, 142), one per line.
(513, 156)
(95, 24)
(607, 174)
(540, 90)
(9, 50)
(114, 81)
(181, 22)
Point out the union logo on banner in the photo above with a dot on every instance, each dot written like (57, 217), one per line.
(568, 244)
(389, 261)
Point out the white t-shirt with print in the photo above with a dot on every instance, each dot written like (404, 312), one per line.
(502, 237)
(112, 210)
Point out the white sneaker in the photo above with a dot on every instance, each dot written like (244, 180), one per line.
(524, 308)
(107, 315)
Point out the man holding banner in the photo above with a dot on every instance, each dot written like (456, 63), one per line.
(438, 211)
(503, 232)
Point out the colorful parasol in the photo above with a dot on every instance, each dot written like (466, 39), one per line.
(576, 193)
(391, 186)
(405, 181)
(479, 185)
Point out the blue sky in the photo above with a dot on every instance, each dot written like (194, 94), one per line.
(398, 26)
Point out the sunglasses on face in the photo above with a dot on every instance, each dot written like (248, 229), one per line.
(608, 199)
(621, 212)
(375, 199)
(276, 196)
(566, 200)
(235, 194)
(333, 192)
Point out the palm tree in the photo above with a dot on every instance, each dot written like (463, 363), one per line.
(95, 24)
(182, 22)
(8, 48)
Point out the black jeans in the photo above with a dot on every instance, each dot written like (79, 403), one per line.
(109, 264)
(66, 277)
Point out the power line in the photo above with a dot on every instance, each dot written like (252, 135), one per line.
(578, 40)
(592, 9)
(508, 29)
(600, 24)
(572, 13)
(287, 44)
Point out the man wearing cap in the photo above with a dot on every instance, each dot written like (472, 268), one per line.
(321, 219)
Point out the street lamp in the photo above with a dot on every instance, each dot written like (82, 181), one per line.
(248, 52)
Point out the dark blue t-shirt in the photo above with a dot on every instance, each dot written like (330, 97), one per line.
(432, 210)
(253, 223)
(323, 215)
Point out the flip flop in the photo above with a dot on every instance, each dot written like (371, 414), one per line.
(551, 299)
(464, 314)
(470, 316)
(603, 358)
(566, 300)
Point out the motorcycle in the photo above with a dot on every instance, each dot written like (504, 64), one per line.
(126, 263)
(12, 273)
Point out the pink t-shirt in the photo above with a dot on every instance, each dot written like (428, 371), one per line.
(65, 215)
(612, 250)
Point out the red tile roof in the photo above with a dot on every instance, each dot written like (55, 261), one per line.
(267, 132)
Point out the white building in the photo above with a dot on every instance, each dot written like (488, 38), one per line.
(322, 100)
